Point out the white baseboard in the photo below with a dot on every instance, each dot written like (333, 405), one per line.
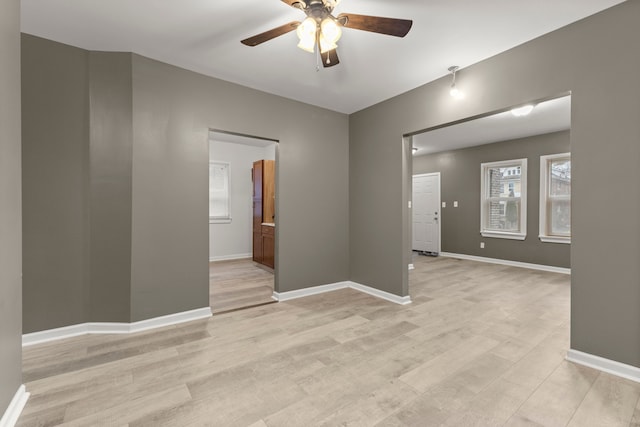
(230, 257)
(300, 293)
(114, 328)
(381, 294)
(541, 267)
(11, 415)
(605, 365)
(306, 292)
(170, 319)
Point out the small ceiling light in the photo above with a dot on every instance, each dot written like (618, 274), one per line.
(522, 111)
(454, 91)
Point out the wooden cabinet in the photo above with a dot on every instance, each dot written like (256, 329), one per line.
(268, 245)
(269, 191)
(263, 176)
(256, 177)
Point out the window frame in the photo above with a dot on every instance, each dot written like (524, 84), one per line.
(485, 200)
(225, 219)
(544, 220)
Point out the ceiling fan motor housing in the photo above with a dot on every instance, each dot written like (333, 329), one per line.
(317, 9)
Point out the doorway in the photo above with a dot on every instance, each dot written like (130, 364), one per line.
(237, 279)
(426, 213)
(501, 173)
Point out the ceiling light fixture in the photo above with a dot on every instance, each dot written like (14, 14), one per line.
(454, 91)
(326, 34)
(523, 110)
(330, 33)
(322, 29)
(307, 34)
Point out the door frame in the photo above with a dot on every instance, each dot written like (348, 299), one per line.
(276, 144)
(439, 207)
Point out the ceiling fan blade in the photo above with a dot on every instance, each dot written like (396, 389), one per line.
(329, 58)
(376, 24)
(271, 34)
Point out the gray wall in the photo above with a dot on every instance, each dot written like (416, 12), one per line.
(173, 110)
(77, 149)
(55, 133)
(605, 131)
(116, 185)
(460, 181)
(10, 222)
(109, 187)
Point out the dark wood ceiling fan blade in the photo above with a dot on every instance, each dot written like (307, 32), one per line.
(376, 24)
(271, 34)
(329, 58)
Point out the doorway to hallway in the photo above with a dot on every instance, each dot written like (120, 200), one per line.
(238, 278)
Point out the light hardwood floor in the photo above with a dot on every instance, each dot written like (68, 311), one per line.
(238, 284)
(481, 345)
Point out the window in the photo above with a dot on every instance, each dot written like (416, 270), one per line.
(555, 198)
(219, 193)
(503, 210)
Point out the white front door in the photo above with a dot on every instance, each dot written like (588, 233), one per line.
(426, 213)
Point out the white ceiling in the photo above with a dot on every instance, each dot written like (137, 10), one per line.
(549, 116)
(204, 36)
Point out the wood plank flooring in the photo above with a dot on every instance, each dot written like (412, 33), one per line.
(238, 284)
(481, 345)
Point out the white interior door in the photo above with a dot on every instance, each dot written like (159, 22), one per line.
(426, 212)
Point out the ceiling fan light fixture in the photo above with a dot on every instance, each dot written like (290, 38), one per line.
(323, 29)
(326, 45)
(307, 34)
(330, 30)
(308, 45)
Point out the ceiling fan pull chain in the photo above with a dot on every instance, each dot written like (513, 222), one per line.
(318, 61)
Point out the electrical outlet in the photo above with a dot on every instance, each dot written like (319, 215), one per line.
(481, 245)
(455, 204)
(444, 204)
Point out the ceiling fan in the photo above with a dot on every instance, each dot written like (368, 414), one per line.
(323, 30)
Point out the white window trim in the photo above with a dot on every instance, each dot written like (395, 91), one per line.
(544, 182)
(523, 200)
(223, 219)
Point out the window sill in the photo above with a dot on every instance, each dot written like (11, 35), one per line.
(555, 239)
(219, 220)
(503, 235)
